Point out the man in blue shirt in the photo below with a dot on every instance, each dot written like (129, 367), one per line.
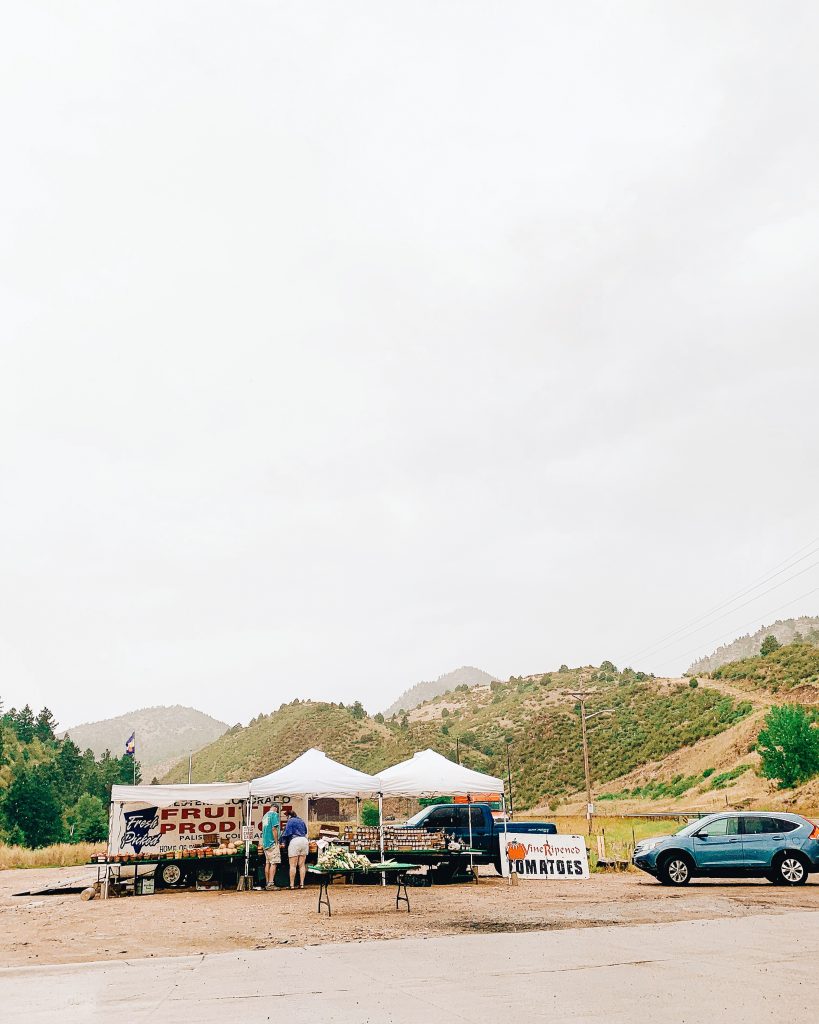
(270, 842)
(295, 840)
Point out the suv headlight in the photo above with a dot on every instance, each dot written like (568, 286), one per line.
(647, 845)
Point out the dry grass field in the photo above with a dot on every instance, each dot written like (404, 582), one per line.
(63, 855)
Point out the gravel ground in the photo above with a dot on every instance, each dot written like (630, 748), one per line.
(66, 929)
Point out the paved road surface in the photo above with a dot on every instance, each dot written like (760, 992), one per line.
(751, 969)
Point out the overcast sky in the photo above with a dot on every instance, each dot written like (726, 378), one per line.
(345, 344)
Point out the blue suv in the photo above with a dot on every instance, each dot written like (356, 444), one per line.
(784, 848)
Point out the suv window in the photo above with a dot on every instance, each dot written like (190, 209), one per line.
(728, 826)
(783, 825)
(759, 825)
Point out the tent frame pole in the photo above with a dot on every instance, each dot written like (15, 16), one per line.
(471, 855)
(505, 837)
(247, 881)
(381, 834)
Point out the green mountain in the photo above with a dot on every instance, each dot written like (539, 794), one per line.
(272, 740)
(415, 695)
(806, 627)
(535, 715)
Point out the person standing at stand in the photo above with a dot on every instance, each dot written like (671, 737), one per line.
(295, 840)
(270, 842)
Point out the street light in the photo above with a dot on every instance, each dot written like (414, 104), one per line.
(584, 718)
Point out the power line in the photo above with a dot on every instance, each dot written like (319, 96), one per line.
(789, 563)
(745, 625)
(731, 611)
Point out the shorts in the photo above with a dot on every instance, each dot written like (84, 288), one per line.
(272, 854)
(299, 847)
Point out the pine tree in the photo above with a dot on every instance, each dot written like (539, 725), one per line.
(69, 764)
(45, 726)
(32, 806)
(769, 645)
(24, 725)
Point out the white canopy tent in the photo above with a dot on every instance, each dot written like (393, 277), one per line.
(167, 796)
(429, 773)
(314, 774)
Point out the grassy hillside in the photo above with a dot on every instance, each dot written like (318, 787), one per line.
(722, 770)
(163, 735)
(791, 667)
(421, 692)
(804, 628)
(273, 740)
(536, 714)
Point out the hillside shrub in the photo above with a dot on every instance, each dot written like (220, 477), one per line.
(721, 781)
(769, 645)
(789, 745)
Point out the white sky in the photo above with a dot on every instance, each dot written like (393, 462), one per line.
(344, 344)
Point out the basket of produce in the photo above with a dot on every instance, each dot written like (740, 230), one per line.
(339, 858)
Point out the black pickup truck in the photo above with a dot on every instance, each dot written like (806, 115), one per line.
(453, 819)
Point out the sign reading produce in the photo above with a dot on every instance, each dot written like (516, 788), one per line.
(543, 857)
(139, 828)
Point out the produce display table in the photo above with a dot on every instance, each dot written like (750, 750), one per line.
(326, 875)
(446, 863)
(171, 872)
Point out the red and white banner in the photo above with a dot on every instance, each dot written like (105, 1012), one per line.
(142, 828)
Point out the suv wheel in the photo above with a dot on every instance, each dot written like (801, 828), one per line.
(675, 870)
(791, 870)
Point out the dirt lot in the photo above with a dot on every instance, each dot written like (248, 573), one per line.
(66, 929)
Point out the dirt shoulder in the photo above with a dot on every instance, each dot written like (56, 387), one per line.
(66, 929)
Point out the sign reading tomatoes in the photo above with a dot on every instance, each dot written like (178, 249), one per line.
(535, 856)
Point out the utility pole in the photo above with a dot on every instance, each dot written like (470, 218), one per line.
(509, 780)
(584, 718)
(190, 766)
(457, 750)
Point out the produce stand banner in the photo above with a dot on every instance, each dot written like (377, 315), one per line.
(544, 857)
(147, 828)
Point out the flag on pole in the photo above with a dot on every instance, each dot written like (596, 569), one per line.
(130, 745)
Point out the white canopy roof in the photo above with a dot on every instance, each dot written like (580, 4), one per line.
(315, 774)
(430, 774)
(166, 796)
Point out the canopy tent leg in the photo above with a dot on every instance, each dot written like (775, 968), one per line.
(505, 838)
(381, 834)
(107, 873)
(246, 881)
(471, 855)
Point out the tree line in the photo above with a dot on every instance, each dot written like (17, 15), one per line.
(50, 790)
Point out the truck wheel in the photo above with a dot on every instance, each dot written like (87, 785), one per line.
(675, 869)
(790, 869)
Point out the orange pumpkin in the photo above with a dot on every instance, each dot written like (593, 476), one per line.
(516, 851)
